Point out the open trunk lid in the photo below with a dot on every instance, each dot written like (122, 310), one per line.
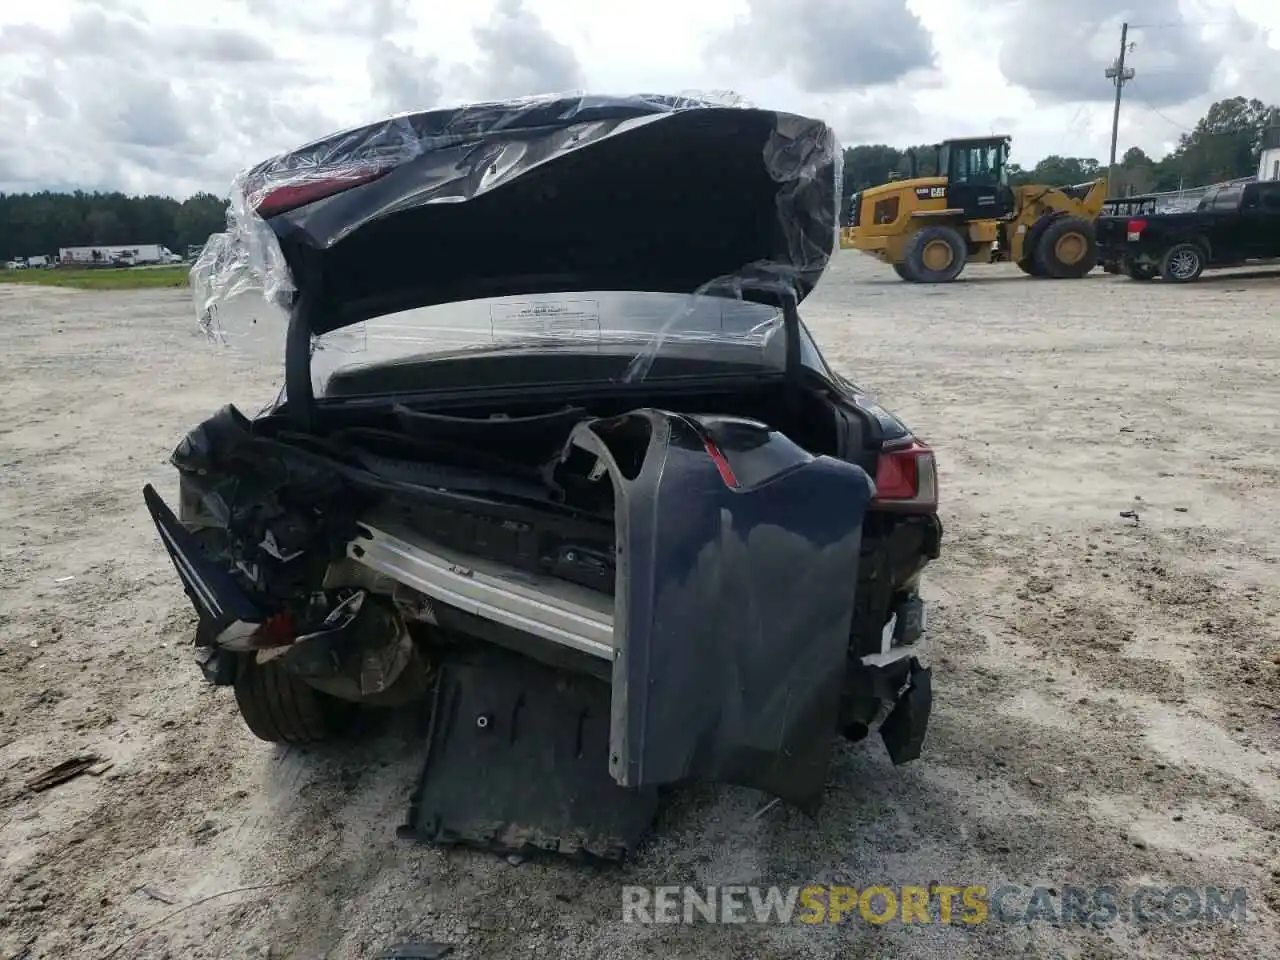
(540, 195)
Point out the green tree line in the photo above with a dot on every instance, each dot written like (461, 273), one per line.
(40, 223)
(1223, 145)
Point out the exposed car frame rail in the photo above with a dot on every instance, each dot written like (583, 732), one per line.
(542, 606)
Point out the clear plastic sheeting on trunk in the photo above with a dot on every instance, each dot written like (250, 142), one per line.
(238, 315)
(689, 193)
(598, 332)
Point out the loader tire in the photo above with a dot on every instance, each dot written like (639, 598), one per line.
(1028, 263)
(901, 270)
(1068, 249)
(934, 255)
(280, 708)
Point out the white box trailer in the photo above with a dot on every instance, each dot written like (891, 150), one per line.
(130, 255)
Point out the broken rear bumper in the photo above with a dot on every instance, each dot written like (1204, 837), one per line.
(903, 731)
(727, 635)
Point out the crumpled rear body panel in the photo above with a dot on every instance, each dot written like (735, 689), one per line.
(737, 555)
(732, 617)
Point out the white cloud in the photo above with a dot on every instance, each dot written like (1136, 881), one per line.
(829, 45)
(518, 57)
(144, 95)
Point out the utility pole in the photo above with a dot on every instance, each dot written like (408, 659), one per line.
(1118, 75)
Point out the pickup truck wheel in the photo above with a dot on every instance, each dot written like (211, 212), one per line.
(280, 708)
(1068, 249)
(934, 255)
(1182, 263)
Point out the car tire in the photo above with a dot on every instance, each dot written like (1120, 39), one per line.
(1068, 249)
(901, 270)
(1182, 263)
(934, 255)
(278, 707)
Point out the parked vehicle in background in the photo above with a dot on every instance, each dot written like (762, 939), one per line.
(1142, 204)
(1132, 205)
(130, 255)
(1234, 224)
(39, 261)
(928, 228)
(18, 264)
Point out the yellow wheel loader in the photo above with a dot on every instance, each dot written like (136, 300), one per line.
(928, 228)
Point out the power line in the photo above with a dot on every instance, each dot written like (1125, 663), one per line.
(1170, 24)
(1156, 110)
(1070, 127)
(1182, 126)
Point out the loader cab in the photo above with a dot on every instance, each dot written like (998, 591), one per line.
(977, 172)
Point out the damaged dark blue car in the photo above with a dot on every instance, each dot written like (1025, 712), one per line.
(556, 460)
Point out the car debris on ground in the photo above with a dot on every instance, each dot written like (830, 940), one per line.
(89, 763)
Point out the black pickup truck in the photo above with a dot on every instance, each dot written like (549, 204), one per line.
(1123, 209)
(1233, 225)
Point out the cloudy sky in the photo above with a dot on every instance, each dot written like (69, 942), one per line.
(160, 96)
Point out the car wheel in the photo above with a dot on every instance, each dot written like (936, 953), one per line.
(1068, 249)
(934, 255)
(1182, 263)
(280, 708)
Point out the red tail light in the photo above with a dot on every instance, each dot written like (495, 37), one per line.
(290, 196)
(907, 479)
(726, 471)
(1136, 227)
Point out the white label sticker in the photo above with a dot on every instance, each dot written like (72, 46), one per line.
(551, 318)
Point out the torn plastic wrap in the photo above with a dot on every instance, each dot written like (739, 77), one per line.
(236, 302)
(693, 194)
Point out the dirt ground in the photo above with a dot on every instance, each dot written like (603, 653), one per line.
(1107, 686)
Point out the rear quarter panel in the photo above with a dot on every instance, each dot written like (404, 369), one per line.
(732, 621)
(1214, 231)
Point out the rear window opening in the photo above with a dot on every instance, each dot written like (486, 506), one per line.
(547, 338)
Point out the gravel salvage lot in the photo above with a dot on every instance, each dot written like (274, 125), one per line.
(1107, 687)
